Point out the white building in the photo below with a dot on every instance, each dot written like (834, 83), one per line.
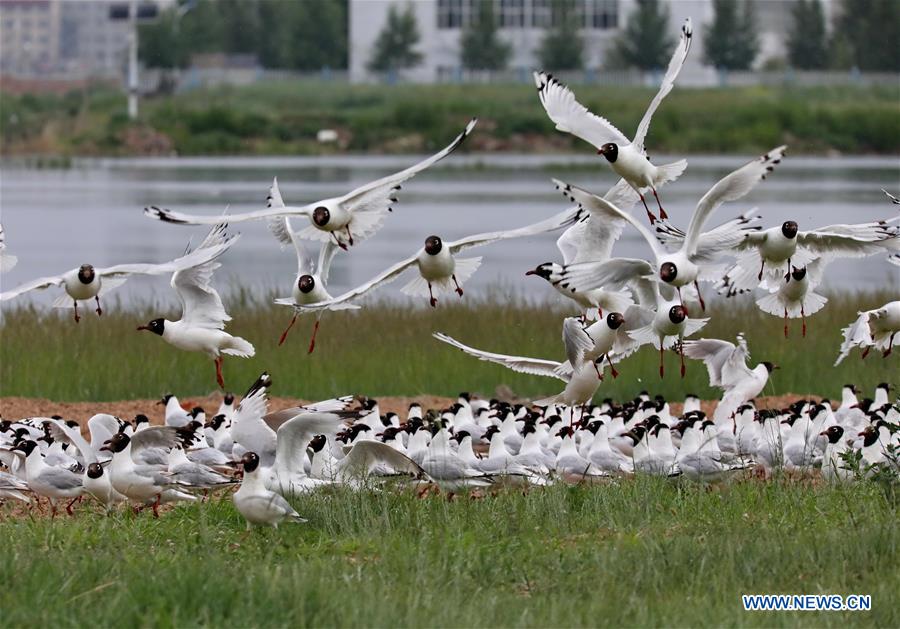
(522, 23)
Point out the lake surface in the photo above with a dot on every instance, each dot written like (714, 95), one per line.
(92, 212)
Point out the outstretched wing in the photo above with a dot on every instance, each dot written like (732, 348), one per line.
(571, 116)
(294, 436)
(38, 284)
(533, 366)
(591, 239)
(7, 261)
(575, 340)
(730, 188)
(200, 303)
(668, 82)
(559, 221)
(61, 432)
(201, 255)
(851, 241)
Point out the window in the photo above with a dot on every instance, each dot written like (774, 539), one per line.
(512, 13)
(602, 14)
(541, 13)
(450, 13)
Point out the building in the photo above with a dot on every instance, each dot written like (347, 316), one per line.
(522, 24)
(29, 36)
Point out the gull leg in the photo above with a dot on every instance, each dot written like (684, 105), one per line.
(459, 291)
(431, 299)
(156, 505)
(75, 303)
(785, 323)
(681, 354)
(761, 269)
(286, 330)
(890, 348)
(681, 299)
(803, 318)
(338, 242)
(99, 310)
(597, 369)
(69, 506)
(219, 377)
(349, 235)
(650, 215)
(599, 312)
(866, 352)
(662, 369)
(613, 371)
(662, 212)
(312, 341)
(700, 296)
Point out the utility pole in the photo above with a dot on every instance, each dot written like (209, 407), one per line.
(133, 60)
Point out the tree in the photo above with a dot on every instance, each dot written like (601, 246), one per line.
(395, 46)
(645, 43)
(731, 39)
(806, 44)
(869, 31)
(562, 47)
(481, 46)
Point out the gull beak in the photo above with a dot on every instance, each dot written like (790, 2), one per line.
(531, 272)
(823, 433)
(774, 367)
(105, 448)
(143, 327)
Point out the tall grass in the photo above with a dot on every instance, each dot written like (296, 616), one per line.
(283, 118)
(640, 553)
(387, 349)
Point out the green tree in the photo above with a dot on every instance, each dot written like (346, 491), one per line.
(317, 35)
(645, 43)
(481, 46)
(562, 47)
(868, 32)
(731, 40)
(806, 43)
(159, 43)
(395, 46)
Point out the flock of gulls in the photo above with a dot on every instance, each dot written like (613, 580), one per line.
(623, 304)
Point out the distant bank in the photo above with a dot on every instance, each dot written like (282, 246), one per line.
(310, 118)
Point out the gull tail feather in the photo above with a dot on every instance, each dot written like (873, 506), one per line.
(239, 347)
(669, 172)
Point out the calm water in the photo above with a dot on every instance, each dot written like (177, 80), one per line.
(58, 219)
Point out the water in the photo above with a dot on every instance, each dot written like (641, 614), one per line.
(58, 219)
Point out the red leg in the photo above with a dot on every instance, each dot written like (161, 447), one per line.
(459, 291)
(700, 296)
(890, 348)
(338, 242)
(431, 300)
(599, 312)
(99, 310)
(52, 510)
(650, 215)
(803, 318)
(597, 369)
(662, 212)
(286, 330)
(77, 318)
(69, 506)
(219, 377)
(681, 354)
(615, 374)
(156, 505)
(787, 276)
(681, 299)
(662, 370)
(349, 236)
(785, 323)
(312, 341)
(866, 352)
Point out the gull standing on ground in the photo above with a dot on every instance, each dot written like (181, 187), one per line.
(344, 220)
(56, 483)
(873, 328)
(87, 282)
(202, 324)
(627, 158)
(438, 266)
(258, 504)
(693, 260)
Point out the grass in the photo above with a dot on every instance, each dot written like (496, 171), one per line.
(387, 349)
(283, 118)
(646, 552)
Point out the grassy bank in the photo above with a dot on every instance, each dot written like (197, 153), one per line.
(387, 349)
(646, 552)
(283, 118)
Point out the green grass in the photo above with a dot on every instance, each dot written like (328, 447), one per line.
(283, 117)
(646, 552)
(387, 349)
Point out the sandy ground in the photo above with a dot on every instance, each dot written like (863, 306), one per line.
(13, 408)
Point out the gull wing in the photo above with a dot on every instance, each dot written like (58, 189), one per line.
(572, 117)
(366, 455)
(533, 366)
(201, 305)
(60, 431)
(38, 284)
(294, 437)
(668, 82)
(730, 188)
(7, 261)
(576, 341)
(561, 220)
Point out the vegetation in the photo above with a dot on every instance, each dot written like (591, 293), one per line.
(645, 42)
(395, 46)
(481, 47)
(732, 42)
(562, 47)
(807, 40)
(402, 358)
(647, 552)
(868, 32)
(289, 35)
(283, 118)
